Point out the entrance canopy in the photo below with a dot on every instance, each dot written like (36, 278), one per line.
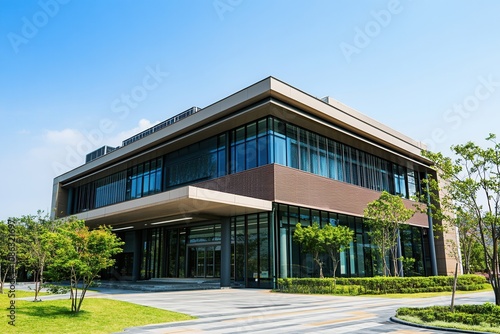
(187, 204)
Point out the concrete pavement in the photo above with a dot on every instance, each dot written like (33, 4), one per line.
(262, 311)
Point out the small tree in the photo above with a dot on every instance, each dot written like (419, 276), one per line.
(385, 216)
(80, 254)
(311, 241)
(336, 239)
(34, 249)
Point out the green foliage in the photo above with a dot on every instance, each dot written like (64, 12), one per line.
(487, 313)
(408, 265)
(311, 241)
(56, 289)
(330, 239)
(34, 248)
(336, 239)
(79, 254)
(379, 285)
(470, 200)
(384, 216)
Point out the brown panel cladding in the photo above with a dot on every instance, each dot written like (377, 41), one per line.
(255, 182)
(291, 186)
(301, 188)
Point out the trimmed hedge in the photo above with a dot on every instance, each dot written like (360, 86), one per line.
(473, 314)
(379, 285)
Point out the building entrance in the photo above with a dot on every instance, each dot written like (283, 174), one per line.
(204, 260)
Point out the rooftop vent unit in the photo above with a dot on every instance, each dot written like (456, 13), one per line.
(99, 153)
(161, 125)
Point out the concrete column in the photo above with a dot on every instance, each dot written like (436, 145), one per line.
(225, 261)
(137, 255)
(274, 243)
(283, 257)
(432, 246)
(399, 254)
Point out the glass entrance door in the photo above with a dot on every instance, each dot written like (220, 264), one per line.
(204, 261)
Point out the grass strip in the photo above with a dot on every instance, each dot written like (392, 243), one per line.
(98, 315)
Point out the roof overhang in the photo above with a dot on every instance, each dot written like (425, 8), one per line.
(332, 111)
(186, 204)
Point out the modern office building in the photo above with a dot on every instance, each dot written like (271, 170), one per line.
(217, 192)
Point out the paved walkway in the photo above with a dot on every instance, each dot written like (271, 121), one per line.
(261, 311)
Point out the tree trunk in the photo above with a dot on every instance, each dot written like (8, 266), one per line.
(495, 283)
(36, 278)
(452, 308)
(3, 278)
(85, 286)
(335, 265)
(320, 264)
(74, 299)
(395, 261)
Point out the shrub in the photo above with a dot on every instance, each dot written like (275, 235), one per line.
(379, 285)
(487, 313)
(56, 289)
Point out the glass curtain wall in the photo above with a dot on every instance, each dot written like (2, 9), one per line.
(200, 161)
(264, 249)
(359, 260)
(252, 259)
(140, 180)
(258, 143)
(413, 247)
(195, 251)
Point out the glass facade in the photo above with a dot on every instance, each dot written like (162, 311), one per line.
(144, 179)
(252, 250)
(200, 161)
(360, 260)
(262, 249)
(188, 252)
(258, 143)
(140, 180)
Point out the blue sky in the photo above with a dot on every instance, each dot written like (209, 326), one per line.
(76, 75)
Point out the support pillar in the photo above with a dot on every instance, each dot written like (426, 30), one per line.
(432, 245)
(136, 269)
(225, 261)
(400, 254)
(283, 257)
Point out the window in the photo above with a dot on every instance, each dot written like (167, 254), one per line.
(399, 180)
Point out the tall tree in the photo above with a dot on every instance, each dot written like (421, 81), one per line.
(80, 254)
(336, 239)
(385, 216)
(311, 241)
(471, 182)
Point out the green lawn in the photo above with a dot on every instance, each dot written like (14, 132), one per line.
(96, 316)
(24, 293)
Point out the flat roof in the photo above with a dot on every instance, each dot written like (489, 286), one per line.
(355, 123)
